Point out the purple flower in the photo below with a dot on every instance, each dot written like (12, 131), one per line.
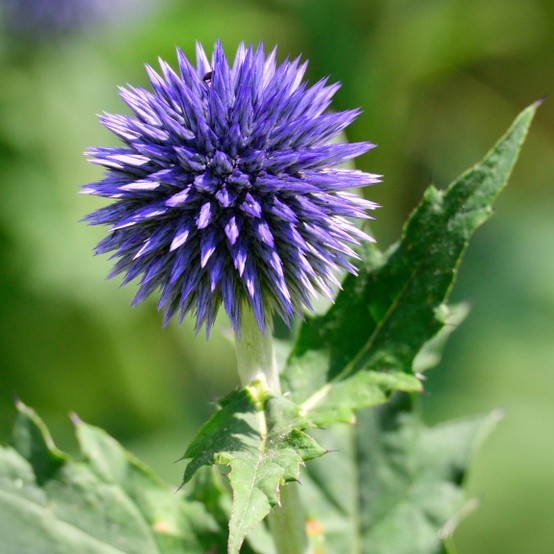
(42, 19)
(227, 189)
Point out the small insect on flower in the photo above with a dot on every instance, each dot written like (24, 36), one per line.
(227, 189)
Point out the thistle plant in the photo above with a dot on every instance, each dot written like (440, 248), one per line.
(229, 189)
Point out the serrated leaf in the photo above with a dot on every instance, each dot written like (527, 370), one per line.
(333, 485)
(336, 402)
(211, 488)
(106, 503)
(430, 353)
(394, 485)
(384, 316)
(413, 477)
(260, 437)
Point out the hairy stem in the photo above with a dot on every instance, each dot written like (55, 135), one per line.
(255, 356)
(256, 362)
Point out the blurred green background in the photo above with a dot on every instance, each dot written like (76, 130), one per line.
(438, 81)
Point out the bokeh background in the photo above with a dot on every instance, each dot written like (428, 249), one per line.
(438, 81)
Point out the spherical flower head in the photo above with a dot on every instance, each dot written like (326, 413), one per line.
(227, 190)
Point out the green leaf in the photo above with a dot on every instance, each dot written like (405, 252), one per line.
(261, 438)
(430, 353)
(384, 316)
(211, 488)
(334, 485)
(413, 477)
(394, 485)
(105, 503)
(336, 402)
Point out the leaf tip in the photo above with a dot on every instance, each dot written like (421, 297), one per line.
(26, 411)
(17, 402)
(75, 419)
(180, 487)
(538, 102)
(453, 522)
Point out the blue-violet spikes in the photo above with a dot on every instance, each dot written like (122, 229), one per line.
(227, 189)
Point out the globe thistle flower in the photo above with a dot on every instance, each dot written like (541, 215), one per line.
(228, 189)
(43, 19)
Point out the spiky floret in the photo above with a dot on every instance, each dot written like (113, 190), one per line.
(227, 190)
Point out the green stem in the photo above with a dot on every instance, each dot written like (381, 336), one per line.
(256, 362)
(255, 357)
(287, 523)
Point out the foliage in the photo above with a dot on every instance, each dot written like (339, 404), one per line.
(103, 503)
(261, 438)
(393, 484)
(403, 479)
(383, 317)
